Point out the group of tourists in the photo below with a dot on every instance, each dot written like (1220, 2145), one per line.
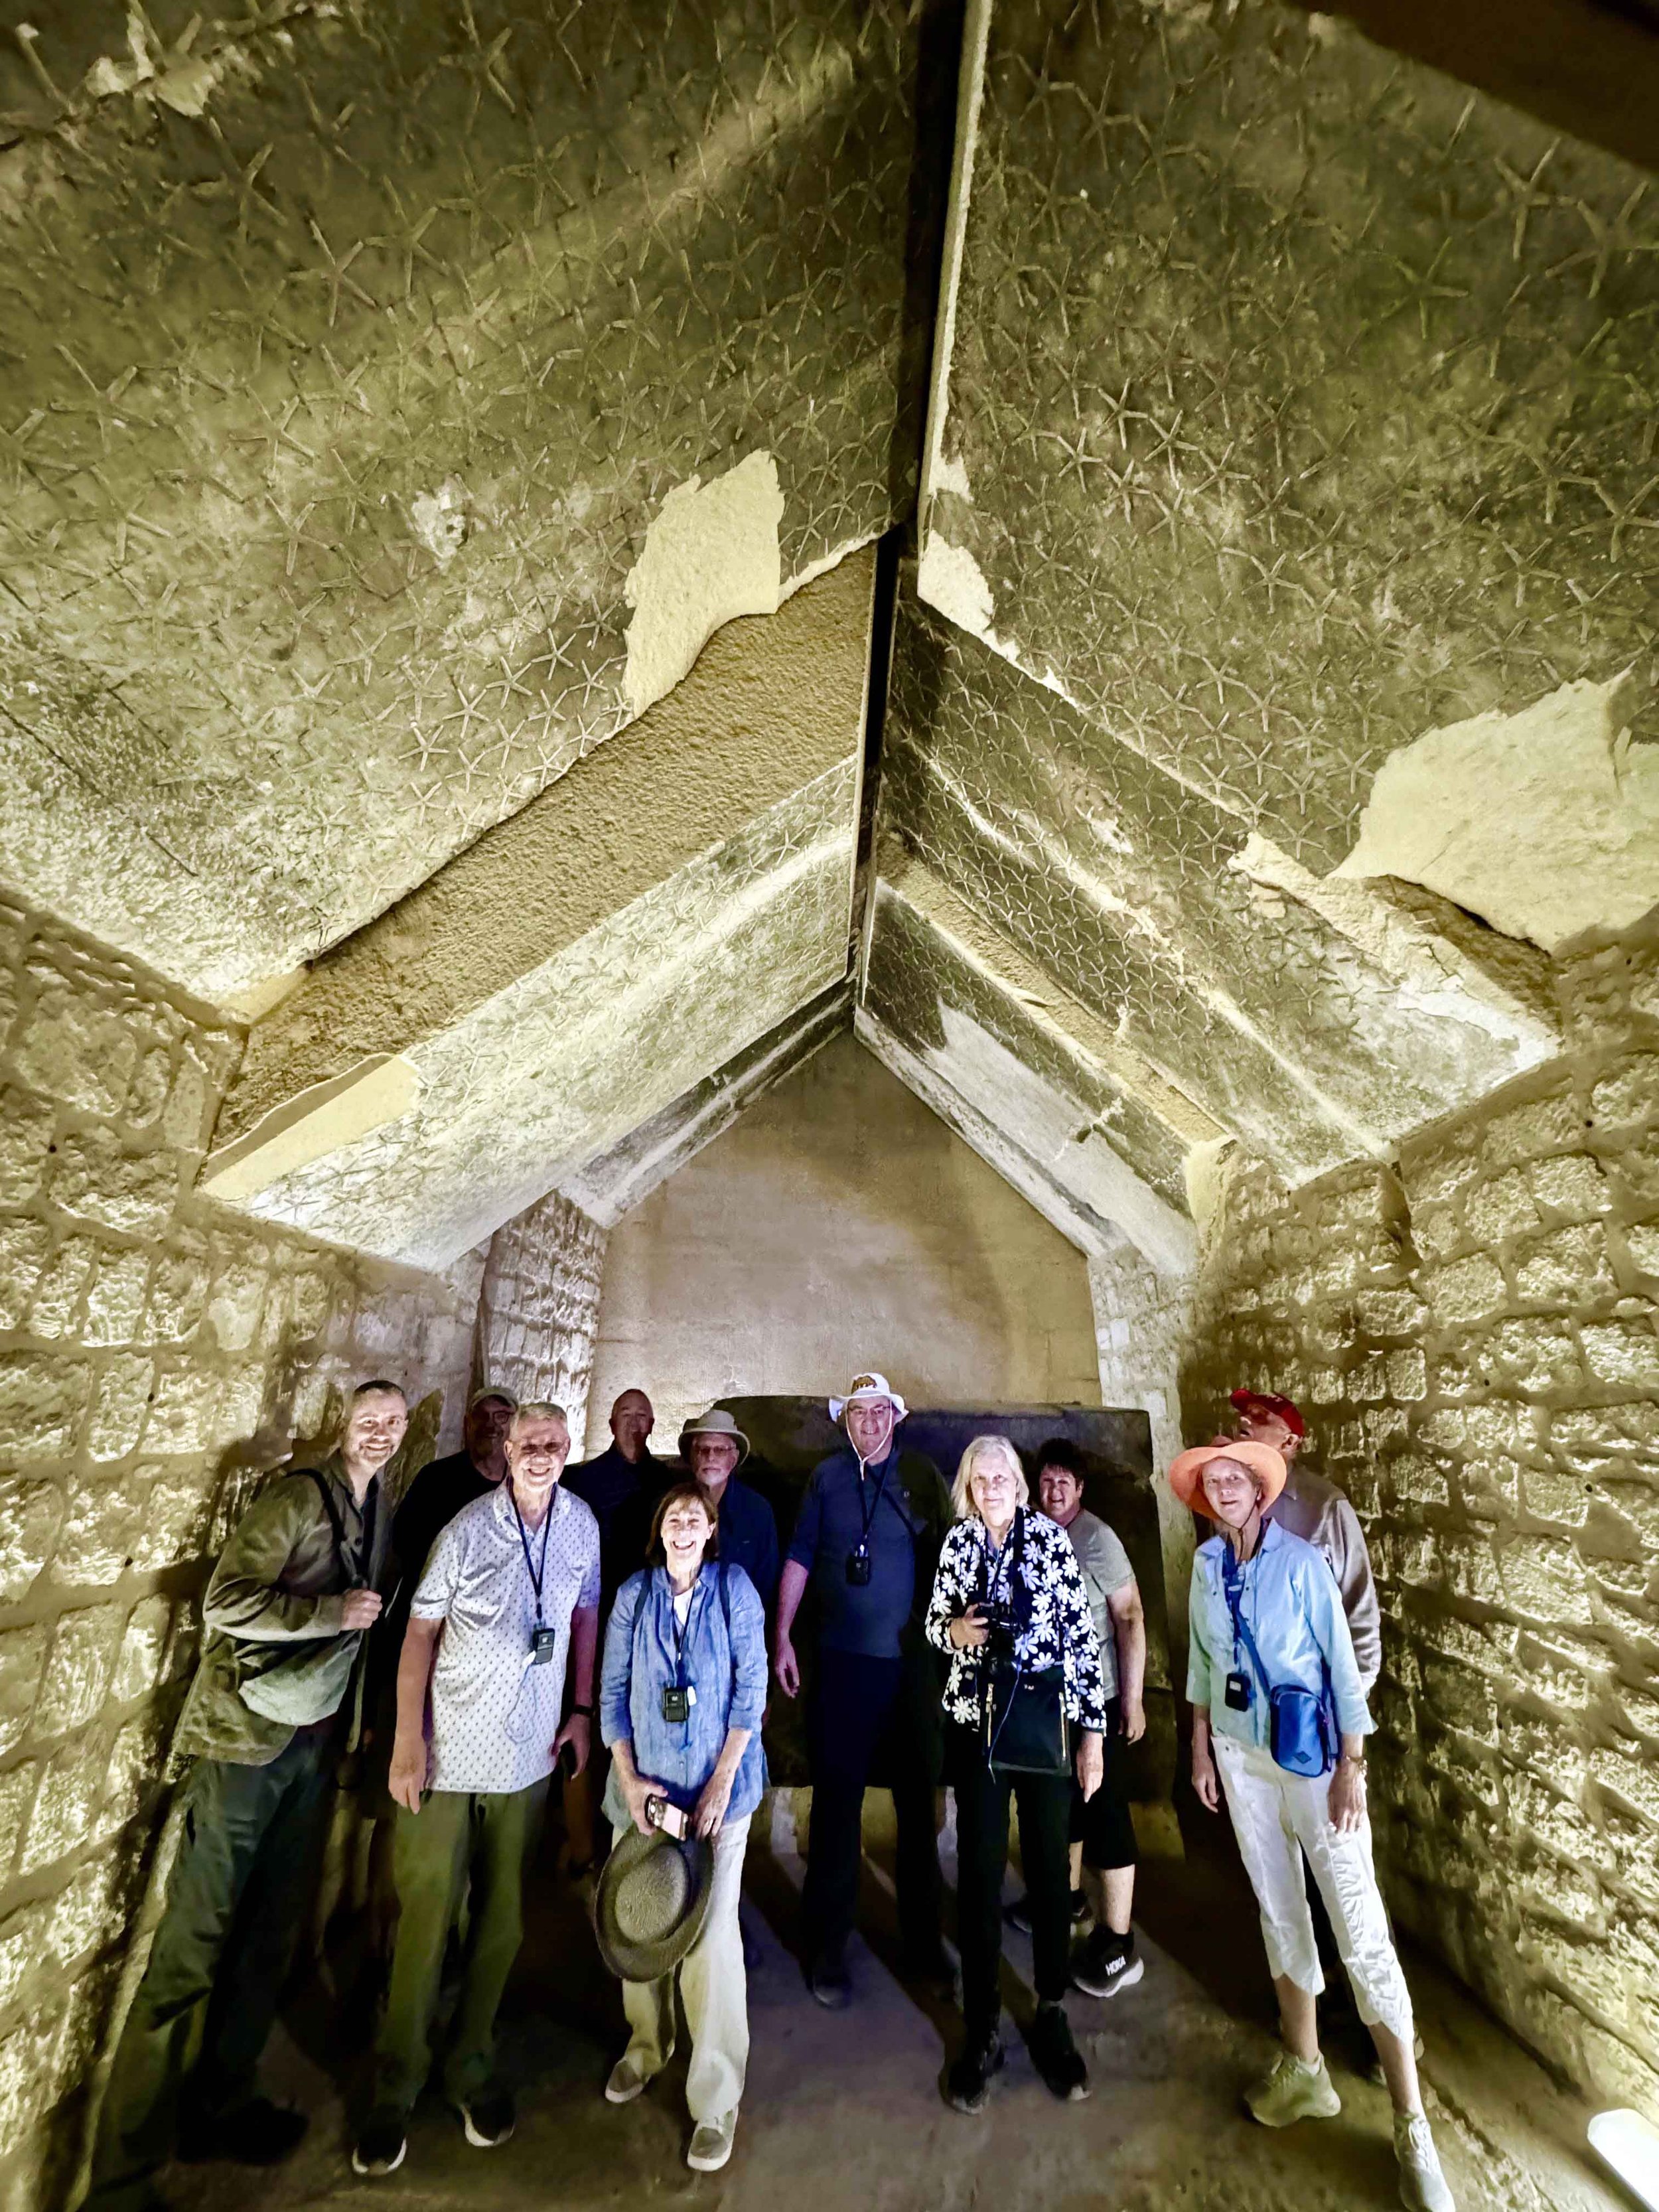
(610, 1626)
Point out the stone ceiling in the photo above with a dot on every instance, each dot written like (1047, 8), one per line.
(398, 402)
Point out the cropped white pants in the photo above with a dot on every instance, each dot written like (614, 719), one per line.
(713, 1989)
(1280, 1818)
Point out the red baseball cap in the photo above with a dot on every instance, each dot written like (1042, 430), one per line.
(1269, 1401)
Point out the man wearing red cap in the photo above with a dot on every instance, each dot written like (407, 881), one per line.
(1311, 1507)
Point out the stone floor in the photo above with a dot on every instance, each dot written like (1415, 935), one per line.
(844, 2109)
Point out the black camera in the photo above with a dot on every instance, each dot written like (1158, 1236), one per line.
(999, 1645)
(1236, 1694)
(676, 1703)
(858, 1568)
(543, 1642)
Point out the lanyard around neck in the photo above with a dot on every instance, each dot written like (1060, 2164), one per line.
(536, 1573)
(867, 1515)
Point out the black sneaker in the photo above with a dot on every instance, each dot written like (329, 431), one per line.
(1054, 2055)
(1106, 1963)
(489, 2120)
(830, 1983)
(258, 2133)
(380, 2144)
(967, 2084)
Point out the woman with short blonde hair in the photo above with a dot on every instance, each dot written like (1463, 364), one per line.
(1025, 1704)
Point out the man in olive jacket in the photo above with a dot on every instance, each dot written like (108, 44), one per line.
(274, 1700)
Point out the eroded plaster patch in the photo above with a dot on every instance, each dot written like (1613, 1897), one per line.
(440, 519)
(1544, 822)
(949, 578)
(712, 554)
(318, 1121)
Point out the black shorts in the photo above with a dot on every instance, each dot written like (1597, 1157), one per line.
(1103, 1825)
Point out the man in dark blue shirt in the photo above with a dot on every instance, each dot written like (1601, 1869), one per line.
(866, 1541)
(622, 1487)
(714, 1447)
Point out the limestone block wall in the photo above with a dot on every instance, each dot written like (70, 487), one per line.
(157, 1356)
(1472, 1331)
(539, 1307)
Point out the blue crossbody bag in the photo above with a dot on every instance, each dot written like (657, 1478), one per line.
(1301, 1731)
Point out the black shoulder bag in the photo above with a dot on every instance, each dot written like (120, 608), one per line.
(1025, 1727)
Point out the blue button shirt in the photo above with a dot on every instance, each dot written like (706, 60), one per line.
(1290, 1600)
(726, 1670)
(871, 1618)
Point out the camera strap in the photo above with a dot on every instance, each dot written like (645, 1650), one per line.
(537, 1573)
(867, 1513)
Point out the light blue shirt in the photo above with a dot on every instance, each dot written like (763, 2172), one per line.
(644, 1653)
(1290, 1600)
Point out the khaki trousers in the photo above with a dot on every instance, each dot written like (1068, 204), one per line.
(714, 1990)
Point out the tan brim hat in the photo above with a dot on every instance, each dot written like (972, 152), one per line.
(1264, 1462)
(717, 1423)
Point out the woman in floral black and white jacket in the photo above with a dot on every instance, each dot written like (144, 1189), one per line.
(1000, 1563)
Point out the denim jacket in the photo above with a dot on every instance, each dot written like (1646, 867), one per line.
(1290, 1598)
(728, 1672)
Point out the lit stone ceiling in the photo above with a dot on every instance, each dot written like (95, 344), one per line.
(442, 447)
(393, 400)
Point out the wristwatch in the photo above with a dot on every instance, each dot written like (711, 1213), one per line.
(586, 1711)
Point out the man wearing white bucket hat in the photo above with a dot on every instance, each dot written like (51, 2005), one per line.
(867, 1540)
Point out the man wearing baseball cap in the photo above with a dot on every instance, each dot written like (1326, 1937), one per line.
(867, 1539)
(1316, 1510)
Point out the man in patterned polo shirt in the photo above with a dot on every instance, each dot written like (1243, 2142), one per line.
(510, 1598)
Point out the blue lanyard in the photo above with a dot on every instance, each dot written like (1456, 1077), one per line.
(536, 1573)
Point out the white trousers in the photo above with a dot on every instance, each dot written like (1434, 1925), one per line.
(713, 1989)
(1280, 1817)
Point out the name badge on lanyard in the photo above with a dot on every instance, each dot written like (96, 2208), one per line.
(544, 1641)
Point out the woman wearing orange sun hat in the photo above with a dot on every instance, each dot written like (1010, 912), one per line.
(1279, 1722)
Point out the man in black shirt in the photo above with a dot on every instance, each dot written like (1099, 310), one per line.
(622, 1487)
(439, 1492)
(866, 1541)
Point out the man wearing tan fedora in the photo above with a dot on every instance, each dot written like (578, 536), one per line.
(713, 1447)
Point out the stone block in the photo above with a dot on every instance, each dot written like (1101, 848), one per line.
(1568, 1266)
(235, 1302)
(79, 1670)
(100, 1533)
(1438, 1232)
(23, 1946)
(1552, 1497)
(25, 1244)
(1585, 1438)
(181, 1418)
(115, 1300)
(1622, 1351)
(17, 1789)
(1500, 1209)
(1467, 1290)
(26, 1128)
(1557, 1821)
(1437, 1169)
(1572, 1184)
(120, 1406)
(151, 1084)
(64, 1816)
(178, 1292)
(1525, 1132)
(1530, 1352)
(239, 1410)
(76, 1052)
(1419, 1478)
(31, 1514)
(144, 1651)
(22, 1663)
(88, 1914)
(1462, 1699)
(99, 1179)
(42, 1398)
(1406, 1375)
(1544, 1580)
(1629, 1094)
(1635, 1779)
(1643, 1245)
(177, 1521)
(1564, 1888)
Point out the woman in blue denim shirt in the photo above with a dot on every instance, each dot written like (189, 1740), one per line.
(680, 1706)
(1266, 1613)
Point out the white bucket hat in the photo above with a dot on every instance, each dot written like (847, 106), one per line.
(866, 1390)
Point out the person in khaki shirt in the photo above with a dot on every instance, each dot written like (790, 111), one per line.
(276, 1694)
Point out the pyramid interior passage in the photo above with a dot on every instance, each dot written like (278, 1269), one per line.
(557, 563)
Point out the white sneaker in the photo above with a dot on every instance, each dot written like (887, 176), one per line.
(711, 2143)
(1422, 2185)
(1289, 2091)
(628, 2079)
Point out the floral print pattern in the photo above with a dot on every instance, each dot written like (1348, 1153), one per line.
(1059, 1629)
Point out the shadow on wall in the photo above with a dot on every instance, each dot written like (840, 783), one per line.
(790, 1435)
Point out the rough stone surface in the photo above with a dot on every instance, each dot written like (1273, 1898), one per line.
(156, 1355)
(1476, 1347)
(424, 358)
(540, 1306)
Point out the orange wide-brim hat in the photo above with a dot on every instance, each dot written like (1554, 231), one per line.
(1263, 1461)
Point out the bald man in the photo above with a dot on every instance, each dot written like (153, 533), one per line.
(621, 1487)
